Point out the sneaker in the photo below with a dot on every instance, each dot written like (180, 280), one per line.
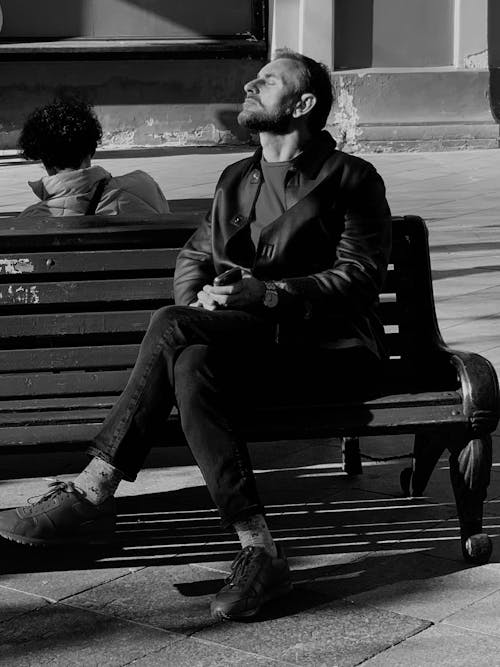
(255, 578)
(61, 516)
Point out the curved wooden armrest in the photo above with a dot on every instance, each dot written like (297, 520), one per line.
(479, 385)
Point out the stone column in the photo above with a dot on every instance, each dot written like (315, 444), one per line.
(304, 25)
(471, 34)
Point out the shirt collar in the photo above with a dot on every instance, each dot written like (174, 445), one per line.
(312, 158)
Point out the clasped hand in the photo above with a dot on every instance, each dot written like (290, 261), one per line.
(245, 292)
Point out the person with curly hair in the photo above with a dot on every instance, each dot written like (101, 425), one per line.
(64, 136)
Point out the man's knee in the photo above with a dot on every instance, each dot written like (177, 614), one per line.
(192, 361)
(169, 316)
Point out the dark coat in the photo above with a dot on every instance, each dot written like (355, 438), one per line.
(328, 251)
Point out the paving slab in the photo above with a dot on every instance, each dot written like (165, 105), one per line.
(482, 616)
(441, 645)
(14, 603)
(56, 577)
(339, 633)
(62, 635)
(369, 576)
(174, 598)
(197, 653)
(433, 597)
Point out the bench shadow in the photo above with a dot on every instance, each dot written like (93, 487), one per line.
(351, 543)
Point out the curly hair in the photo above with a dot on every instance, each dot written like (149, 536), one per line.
(61, 134)
(314, 78)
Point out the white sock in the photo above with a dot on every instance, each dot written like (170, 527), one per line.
(254, 532)
(98, 481)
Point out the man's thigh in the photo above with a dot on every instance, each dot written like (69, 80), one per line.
(222, 328)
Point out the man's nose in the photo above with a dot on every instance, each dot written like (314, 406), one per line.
(251, 86)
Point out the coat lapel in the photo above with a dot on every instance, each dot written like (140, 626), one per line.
(274, 237)
(241, 217)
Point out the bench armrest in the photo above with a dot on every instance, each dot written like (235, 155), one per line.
(479, 386)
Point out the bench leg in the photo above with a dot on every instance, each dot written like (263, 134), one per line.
(470, 468)
(427, 450)
(351, 457)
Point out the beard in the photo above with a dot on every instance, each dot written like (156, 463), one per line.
(260, 120)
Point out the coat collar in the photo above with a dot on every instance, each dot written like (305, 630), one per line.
(312, 158)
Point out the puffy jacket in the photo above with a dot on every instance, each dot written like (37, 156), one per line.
(69, 192)
(328, 251)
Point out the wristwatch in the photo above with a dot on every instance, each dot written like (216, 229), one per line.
(270, 298)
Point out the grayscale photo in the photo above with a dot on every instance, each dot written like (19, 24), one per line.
(249, 346)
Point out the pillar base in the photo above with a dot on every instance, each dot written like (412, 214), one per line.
(413, 109)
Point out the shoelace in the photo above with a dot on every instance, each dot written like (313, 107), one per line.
(58, 487)
(240, 567)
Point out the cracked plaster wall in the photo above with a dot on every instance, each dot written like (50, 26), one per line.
(140, 103)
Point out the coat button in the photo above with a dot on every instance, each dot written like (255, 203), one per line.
(255, 177)
(237, 219)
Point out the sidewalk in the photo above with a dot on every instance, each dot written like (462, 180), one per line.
(379, 579)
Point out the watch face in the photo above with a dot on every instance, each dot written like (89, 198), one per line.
(270, 298)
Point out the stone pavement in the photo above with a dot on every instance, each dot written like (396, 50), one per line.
(379, 579)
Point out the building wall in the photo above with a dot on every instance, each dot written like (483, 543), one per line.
(418, 33)
(140, 103)
(188, 19)
(408, 74)
(160, 72)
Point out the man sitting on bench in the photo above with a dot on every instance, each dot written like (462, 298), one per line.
(309, 227)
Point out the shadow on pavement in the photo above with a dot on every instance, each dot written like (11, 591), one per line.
(357, 540)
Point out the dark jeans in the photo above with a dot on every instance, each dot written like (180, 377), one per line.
(211, 364)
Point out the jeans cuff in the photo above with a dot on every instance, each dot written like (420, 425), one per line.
(94, 450)
(241, 515)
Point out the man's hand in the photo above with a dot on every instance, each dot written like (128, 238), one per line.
(246, 292)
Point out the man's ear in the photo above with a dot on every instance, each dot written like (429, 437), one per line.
(304, 105)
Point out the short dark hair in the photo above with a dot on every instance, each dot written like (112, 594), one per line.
(314, 78)
(61, 134)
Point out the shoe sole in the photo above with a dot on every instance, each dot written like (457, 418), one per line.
(274, 593)
(36, 542)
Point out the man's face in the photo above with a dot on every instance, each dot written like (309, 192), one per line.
(271, 97)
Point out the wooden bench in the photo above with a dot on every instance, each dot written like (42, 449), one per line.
(76, 295)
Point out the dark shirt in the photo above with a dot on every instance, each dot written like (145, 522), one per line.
(271, 200)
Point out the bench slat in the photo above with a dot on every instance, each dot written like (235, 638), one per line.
(55, 417)
(74, 324)
(82, 324)
(54, 262)
(67, 358)
(99, 232)
(74, 225)
(356, 421)
(86, 291)
(450, 398)
(290, 425)
(55, 384)
(37, 406)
